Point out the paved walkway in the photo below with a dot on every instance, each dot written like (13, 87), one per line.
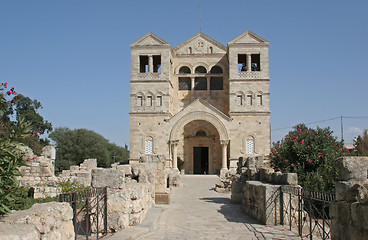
(198, 212)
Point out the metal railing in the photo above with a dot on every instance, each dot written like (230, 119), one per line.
(89, 211)
(307, 211)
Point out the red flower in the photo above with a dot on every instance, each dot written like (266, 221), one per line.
(6, 85)
(14, 92)
(9, 92)
(286, 160)
(310, 161)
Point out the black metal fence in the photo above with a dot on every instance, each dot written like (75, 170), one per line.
(306, 211)
(89, 211)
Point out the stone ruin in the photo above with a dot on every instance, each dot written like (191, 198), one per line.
(349, 214)
(254, 185)
(81, 173)
(132, 189)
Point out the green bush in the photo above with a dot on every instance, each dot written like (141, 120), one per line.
(310, 153)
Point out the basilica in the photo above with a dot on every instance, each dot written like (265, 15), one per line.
(201, 104)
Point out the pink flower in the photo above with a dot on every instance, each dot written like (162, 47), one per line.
(340, 149)
(298, 163)
(302, 141)
(324, 149)
(292, 165)
(310, 161)
(327, 134)
(286, 160)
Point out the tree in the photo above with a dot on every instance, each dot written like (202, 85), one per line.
(73, 146)
(311, 154)
(11, 158)
(361, 144)
(26, 109)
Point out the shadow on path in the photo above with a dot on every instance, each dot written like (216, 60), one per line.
(232, 212)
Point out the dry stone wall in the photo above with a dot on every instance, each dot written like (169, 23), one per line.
(41, 222)
(39, 169)
(257, 187)
(349, 214)
(81, 173)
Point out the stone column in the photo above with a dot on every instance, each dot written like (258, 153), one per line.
(249, 62)
(174, 144)
(224, 154)
(192, 86)
(208, 85)
(150, 63)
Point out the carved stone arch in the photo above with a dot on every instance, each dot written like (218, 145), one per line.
(149, 93)
(195, 130)
(205, 65)
(139, 94)
(224, 68)
(199, 115)
(251, 93)
(184, 64)
(159, 93)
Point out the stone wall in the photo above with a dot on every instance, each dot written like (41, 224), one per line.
(42, 221)
(132, 189)
(81, 173)
(39, 169)
(257, 188)
(349, 214)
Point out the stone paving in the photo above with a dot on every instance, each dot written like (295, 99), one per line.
(198, 212)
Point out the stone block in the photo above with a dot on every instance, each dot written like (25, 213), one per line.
(265, 174)
(162, 198)
(107, 178)
(125, 168)
(290, 179)
(276, 178)
(352, 168)
(18, 231)
(74, 168)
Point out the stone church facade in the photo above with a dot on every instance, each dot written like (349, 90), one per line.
(201, 102)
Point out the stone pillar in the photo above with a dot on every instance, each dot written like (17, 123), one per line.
(208, 85)
(150, 63)
(224, 154)
(249, 62)
(192, 86)
(175, 153)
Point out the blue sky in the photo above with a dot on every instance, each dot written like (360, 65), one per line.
(74, 56)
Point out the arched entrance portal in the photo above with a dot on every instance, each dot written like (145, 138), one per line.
(200, 140)
(201, 150)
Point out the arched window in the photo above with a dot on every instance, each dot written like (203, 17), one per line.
(201, 133)
(184, 70)
(139, 100)
(216, 70)
(259, 99)
(250, 145)
(149, 145)
(200, 69)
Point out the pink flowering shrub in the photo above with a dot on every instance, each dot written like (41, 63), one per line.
(311, 154)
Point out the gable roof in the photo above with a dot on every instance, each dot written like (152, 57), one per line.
(249, 37)
(199, 103)
(203, 37)
(150, 39)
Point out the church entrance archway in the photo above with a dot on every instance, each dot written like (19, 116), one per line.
(194, 131)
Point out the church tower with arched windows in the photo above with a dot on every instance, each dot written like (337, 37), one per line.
(201, 103)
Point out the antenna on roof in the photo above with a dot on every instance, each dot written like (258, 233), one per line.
(200, 18)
